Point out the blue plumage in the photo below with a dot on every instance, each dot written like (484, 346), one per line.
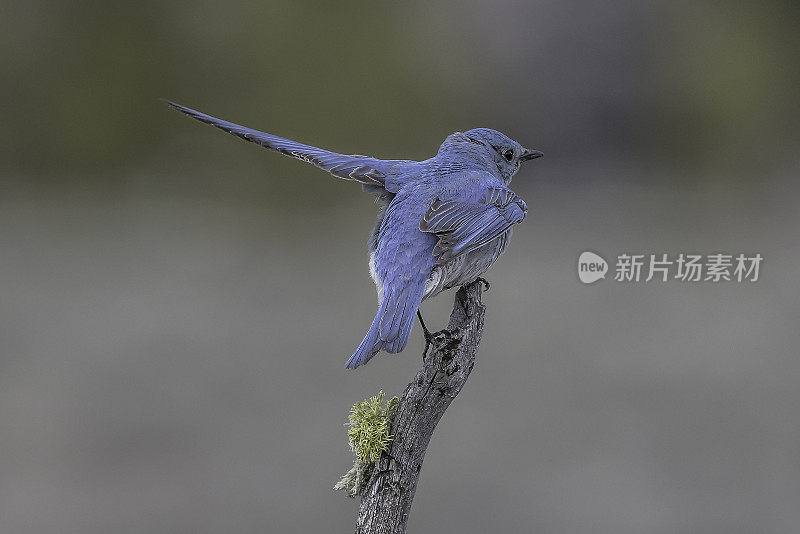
(445, 220)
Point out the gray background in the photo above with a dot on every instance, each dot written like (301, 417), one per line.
(176, 306)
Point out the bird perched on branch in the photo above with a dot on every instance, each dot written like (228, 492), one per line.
(443, 220)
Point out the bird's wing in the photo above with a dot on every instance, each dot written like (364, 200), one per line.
(362, 169)
(463, 226)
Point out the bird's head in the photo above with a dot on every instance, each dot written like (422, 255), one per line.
(490, 148)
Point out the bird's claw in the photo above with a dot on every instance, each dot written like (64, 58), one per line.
(441, 336)
(428, 342)
(485, 283)
(426, 333)
(441, 340)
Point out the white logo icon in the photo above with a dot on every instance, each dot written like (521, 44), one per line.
(591, 267)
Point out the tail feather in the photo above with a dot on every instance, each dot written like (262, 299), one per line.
(368, 348)
(392, 324)
(406, 325)
(371, 343)
(367, 171)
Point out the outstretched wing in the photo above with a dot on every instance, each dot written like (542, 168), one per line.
(464, 226)
(362, 169)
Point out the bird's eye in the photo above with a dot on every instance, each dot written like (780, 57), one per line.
(508, 154)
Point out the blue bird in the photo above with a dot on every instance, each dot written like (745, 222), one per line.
(442, 223)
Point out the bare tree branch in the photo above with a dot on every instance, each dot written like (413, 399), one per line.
(386, 500)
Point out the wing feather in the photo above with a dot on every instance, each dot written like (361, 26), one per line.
(463, 226)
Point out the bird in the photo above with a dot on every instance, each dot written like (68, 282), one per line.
(442, 221)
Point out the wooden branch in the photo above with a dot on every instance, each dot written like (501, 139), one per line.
(386, 500)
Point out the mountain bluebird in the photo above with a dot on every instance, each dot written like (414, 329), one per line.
(442, 222)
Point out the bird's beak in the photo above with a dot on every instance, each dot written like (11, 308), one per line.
(530, 154)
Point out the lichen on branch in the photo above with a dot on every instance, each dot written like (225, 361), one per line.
(368, 435)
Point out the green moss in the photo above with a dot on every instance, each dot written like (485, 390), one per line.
(369, 427)
(369, 437)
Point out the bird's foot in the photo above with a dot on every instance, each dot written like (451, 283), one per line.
(428, 342)
(426, 333)
(441, 337)
(445, 342)
(485, 283)
(441, 340)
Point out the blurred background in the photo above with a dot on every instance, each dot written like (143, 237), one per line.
(176, 306)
